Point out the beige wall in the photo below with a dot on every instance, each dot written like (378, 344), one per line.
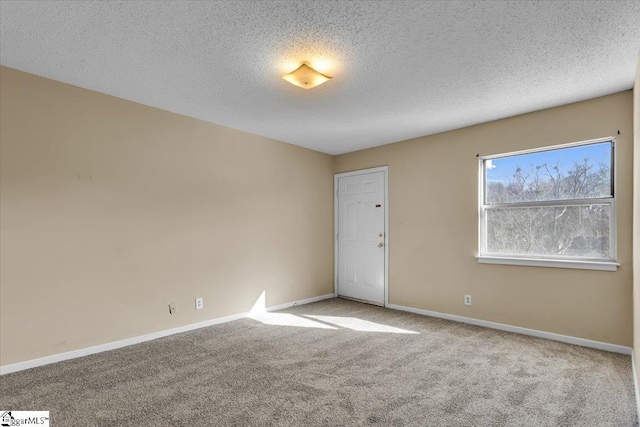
(636, 221)
(111, 210)
(433, 226)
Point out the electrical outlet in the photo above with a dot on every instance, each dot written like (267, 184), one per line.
(199, 303)
(172, 308)
(467, 300)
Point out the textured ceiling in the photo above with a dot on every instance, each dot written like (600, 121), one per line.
(401, 69)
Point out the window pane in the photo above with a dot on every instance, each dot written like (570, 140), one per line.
(566, 231)
(567, 173)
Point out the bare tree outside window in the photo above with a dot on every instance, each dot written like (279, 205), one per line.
(555, 203)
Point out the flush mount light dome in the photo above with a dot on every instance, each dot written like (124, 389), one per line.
(305, 77)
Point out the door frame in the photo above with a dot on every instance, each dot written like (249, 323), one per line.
(336, 177)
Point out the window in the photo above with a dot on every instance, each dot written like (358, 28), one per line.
(553, 207)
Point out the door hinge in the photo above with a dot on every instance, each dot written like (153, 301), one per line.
(337, 236)
(337, 192)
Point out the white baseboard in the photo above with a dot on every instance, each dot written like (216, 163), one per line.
(28, 364)
(614, 348)
(635, 386)
(301, 302)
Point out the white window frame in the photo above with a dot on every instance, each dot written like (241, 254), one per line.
(483, 257)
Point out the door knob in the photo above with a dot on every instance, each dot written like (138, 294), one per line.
(380, 245)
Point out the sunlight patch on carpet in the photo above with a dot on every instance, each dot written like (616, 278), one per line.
(286, 319)
(361, 325)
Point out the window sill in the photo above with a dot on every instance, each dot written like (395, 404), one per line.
(536, 262)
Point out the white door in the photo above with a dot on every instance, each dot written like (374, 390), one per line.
(361, 231)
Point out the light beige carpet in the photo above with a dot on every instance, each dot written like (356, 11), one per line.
(334, 363)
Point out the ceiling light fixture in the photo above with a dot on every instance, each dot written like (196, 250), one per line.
(306, 77)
